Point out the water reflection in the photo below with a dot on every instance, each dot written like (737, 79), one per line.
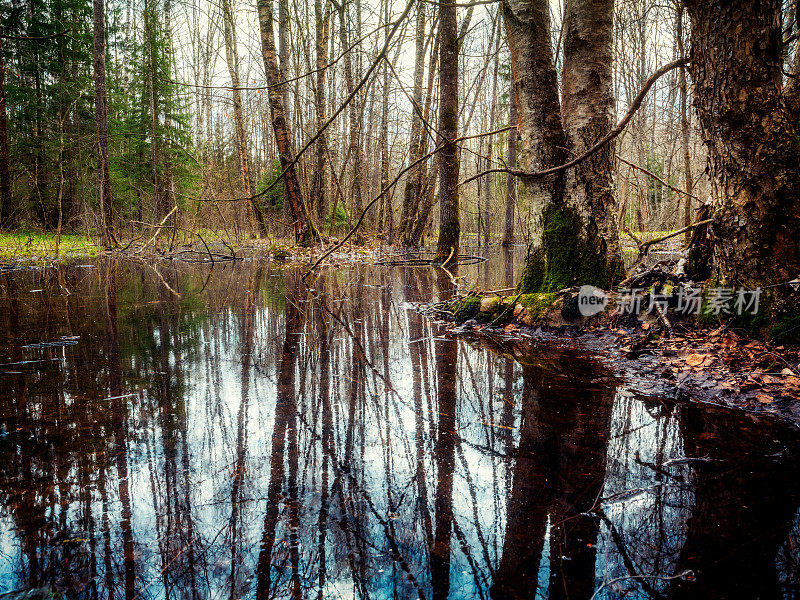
(233, 432)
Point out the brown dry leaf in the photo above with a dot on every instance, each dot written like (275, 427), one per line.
(510, 327)
(730, 385)
(769, 379)
(764, 398)
(645, 326)
(793, 381)
(695, 360)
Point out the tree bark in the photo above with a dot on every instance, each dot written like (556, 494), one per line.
(413, 182)
(688, 180)
(750, 130)
(511, 184)
(575, 239)
(539, 124)
(158, 208)
(588, 110)
(449, 224)
(108, 239)
(6, 209)
(388, 221)
(354, 126)
(304, 229)
(487, 211)
(320, 179)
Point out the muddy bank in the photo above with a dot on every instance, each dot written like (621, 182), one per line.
(654, 353)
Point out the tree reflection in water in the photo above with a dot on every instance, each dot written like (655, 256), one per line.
(232, 431)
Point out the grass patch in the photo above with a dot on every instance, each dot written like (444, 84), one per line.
(37, 245)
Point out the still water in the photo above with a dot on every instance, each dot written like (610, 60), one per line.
(193, 431)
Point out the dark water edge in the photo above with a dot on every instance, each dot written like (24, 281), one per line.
(193, 431)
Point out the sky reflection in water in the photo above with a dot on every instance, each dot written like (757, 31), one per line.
(229, 432)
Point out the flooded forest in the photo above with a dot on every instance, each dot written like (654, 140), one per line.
(389, 299)
(252, 438)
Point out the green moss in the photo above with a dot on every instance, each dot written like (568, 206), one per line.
(534, 272)
(785, 326)
(467, 308)
(448, 239)
(570, 255)
(494, 305)
(537, 305)
(279, 251)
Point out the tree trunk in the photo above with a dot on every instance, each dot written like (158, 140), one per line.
(575, 240)
(388, 221)
(232, 59)
(589, 113)
(750, 128)
(511, 184)
(354, 126)
(7, 220)
(101, 118)
(320, 178)
(487, 211)
(688, 181)
(539, 124)
(283, 65)
(449, 224)
(158, 208)
(304, 229)
(411, 194)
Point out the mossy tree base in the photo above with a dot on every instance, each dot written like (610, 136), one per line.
(571, 253)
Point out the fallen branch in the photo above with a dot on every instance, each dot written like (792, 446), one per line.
(644, 247)
(158, 229)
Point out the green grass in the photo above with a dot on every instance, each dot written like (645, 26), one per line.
(23, 246)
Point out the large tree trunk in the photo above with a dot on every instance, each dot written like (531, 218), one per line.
(232, 59)
(574, 240)
(449, 224)
(539, 124)
(6, 210)
(158, 208)
(304, 229)
(594, 255)
(749, 124)
(101, 118)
